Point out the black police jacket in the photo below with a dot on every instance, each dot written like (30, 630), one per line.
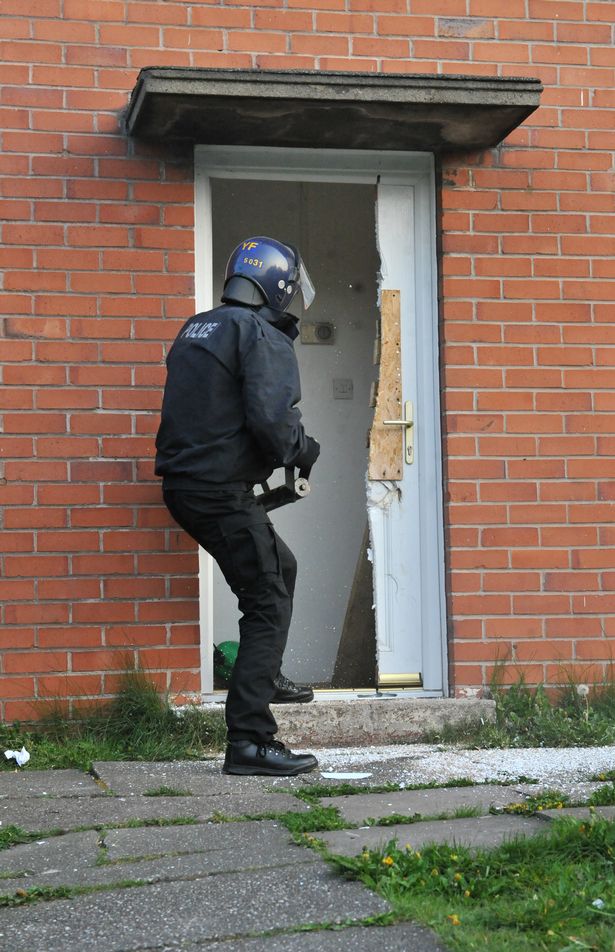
(229, 410)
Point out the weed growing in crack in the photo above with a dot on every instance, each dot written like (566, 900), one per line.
(164, 791)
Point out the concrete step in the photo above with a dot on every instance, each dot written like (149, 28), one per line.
(351, 720)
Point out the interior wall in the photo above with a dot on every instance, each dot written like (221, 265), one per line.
(334, 227)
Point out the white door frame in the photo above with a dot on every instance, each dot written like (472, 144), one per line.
(415, 171)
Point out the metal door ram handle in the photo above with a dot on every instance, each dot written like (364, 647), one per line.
(293, 489)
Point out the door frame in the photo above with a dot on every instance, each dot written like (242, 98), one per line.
(372, 167)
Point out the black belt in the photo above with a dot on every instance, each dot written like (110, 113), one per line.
(202, 487)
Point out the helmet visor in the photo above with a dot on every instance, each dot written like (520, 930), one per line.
(308, 291)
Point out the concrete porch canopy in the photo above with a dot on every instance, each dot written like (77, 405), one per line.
(337, 110)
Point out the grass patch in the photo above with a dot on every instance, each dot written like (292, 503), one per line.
(48, 893)
(548, 800)
(554, 892)
(21, 896)
(395, 819)
(167, 792)
(13, 835)
(570, 716)
(605, 797)
(138, 724)
(605, 775)
(137, 824)
(316, 791)
(462, 813)
(298, 824)
(317, 819)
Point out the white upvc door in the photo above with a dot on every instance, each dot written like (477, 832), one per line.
(405, 515)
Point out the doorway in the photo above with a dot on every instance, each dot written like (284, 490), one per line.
(334, 227)
(364, 223)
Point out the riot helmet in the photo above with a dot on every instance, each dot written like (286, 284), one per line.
(263, 271)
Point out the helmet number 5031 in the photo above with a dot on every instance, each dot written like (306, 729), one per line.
(256, 262)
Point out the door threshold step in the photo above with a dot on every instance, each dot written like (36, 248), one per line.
(353, 721)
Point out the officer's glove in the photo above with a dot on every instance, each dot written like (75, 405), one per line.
(306, 460)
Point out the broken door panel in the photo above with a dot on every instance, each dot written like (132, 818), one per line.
(386, 441)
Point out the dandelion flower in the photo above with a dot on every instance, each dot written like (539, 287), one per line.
(582, 690)
(454, 919)
(387, 861)
(457, 877)
(467, 893)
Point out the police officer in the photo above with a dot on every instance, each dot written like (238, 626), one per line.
(229, 418)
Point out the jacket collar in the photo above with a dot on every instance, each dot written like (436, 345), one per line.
(283, 321)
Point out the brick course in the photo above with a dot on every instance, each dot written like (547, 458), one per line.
(97, 255)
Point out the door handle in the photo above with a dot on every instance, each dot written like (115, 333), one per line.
(408, 425)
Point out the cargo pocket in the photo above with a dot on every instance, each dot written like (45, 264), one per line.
(252, 546)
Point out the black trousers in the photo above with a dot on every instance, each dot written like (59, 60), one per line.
(261, 571)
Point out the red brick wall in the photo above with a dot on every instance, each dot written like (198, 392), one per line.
(97, 253)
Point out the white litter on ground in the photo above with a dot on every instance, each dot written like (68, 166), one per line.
(20, 757)
(425, 763)
(345, 775)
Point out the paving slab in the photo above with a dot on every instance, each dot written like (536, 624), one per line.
(226, 905)
(150, 855)
(405, 937)
(406, 764)
(69, 814)
(362, 806)
(67, 855)
(202, 777)
(166, 869)
(580, 813)
(484, 831)
(253, 836)
(48, 783)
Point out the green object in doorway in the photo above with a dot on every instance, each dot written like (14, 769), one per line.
(225, 655)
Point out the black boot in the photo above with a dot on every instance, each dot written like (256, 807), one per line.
(287, 692)
(270, 759)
